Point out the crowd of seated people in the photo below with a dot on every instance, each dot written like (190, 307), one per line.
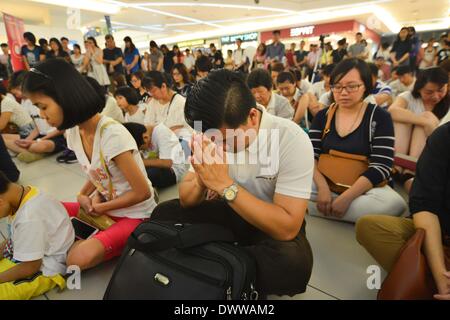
(134, 129)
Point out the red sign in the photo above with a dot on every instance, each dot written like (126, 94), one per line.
(14, 31)
(314, 30)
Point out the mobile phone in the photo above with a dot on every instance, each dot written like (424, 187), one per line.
(83, 231)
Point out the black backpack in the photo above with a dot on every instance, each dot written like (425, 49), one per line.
(171, 261)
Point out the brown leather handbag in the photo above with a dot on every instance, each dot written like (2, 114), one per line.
(411, 278)
(341, 169)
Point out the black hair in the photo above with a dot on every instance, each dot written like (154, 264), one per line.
(101, 90)
(58, 43)
(3, 45)
(120, 79)
(328, 69)
(3, 91)
(60, 81)
(182, 70)
(278, 67)
(385, 45)
(359, 34)
(155, 79)
(4, 183)
(286, 76)
(153, 44)
(30, 37)
(77, 46)
(373, 69)
(132, 46)
(43, 41)
(93, 40)
(109, 36)
(437, 76)
(296, 73)
(345, 66)
(64, 38)
(398, 36)
(401, 70)
(203, 64)
(129, 94)
(276, 32)
(342, 42)
(16, 79)
(138, 74)
(259, 78)
(222, 98)
(136, 130)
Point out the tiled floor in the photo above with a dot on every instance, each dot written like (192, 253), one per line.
(340, 264)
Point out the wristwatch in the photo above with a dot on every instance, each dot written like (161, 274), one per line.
(230, 193)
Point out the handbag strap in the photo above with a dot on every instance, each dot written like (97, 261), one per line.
(190, 236)
(330, 114)
(103, 161)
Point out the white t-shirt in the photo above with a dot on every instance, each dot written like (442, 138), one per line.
(280, 160)
(398, 87)
(137, 117)
(305, 85)
(41, 229)
(115, 140)
(414, 105)
(279, 106)
(167, 147)
(189, 61)
(239, 57)
(318, 89)
(34, 112)
(19, 116)
(112, 110)
(171, 114)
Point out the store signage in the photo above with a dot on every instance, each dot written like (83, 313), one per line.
(192, 43)
(302, 31)
(246, 37)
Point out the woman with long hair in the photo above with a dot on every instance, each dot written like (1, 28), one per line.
(93, 62)
(131, 56)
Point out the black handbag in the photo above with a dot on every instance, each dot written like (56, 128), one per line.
(172, 261)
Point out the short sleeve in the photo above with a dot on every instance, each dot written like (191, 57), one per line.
(29, 240)
(296, 168)
(167, 142)
(176, 114)
(325, 99)
(116, 140)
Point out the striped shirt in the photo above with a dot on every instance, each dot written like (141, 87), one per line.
(374, 138)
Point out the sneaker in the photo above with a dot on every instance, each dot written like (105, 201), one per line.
(68, 156)
(29, 157)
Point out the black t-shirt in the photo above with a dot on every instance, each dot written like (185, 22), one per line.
(112, 55)
(7, 166)
(300, 55)
(431, 188)
(401, 48)
(168, 61)
(338, 55)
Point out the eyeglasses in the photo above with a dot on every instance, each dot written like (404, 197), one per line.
(353, 87)
(36, 71)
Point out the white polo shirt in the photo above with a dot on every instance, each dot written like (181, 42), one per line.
(280, 160)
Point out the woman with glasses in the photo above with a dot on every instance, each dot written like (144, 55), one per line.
(136, 82)
(180, 75)
(356, 128)
(418, 113)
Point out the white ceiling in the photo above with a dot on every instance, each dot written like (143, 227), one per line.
(174, 21)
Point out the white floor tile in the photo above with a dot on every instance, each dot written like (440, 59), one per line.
(60, 185)
(340, 263)
(38, 169)
(93, 284)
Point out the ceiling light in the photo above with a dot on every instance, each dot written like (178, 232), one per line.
(89, 5)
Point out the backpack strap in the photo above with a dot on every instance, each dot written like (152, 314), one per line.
(330, 114)
(103, 161)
